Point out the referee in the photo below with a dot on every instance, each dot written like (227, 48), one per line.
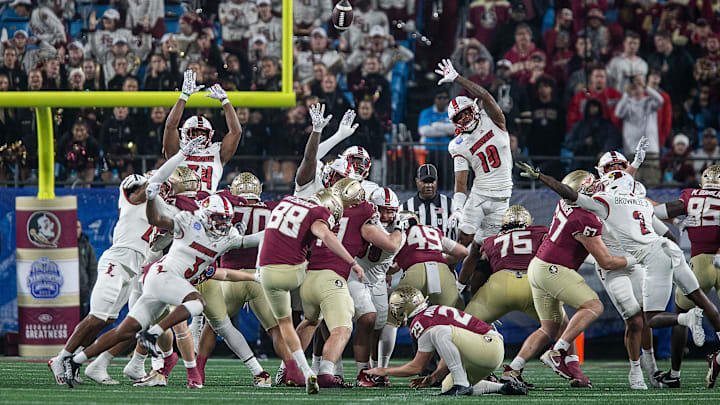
(431, 207)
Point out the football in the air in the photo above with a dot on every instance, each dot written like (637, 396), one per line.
(342, 16)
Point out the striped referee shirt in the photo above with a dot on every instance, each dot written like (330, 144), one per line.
(434, 212)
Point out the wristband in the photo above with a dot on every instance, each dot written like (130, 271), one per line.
(184, 96)
(226, 101)
(458, 201)
(354, 262)
(636, 164)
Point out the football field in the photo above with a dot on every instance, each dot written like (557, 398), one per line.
(228, 381)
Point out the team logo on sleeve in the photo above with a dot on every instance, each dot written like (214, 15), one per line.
(488, 339)
(553, 269)
(43, 229)
(197, 226)
(459, 140)
(44, 280)
(338, 283)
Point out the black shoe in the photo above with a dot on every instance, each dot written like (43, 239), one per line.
(665, 380)
(513, 387)
(72, 370)
(149, 342)
(458, 390)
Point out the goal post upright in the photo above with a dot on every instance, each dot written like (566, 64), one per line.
(43, 101)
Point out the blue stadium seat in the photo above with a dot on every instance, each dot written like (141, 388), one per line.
(398, 84)
(174, 11)
(10, 15)
(172, 26)
(75, 28)
(12, 26)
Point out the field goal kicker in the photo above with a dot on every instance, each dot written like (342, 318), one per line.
(44, 101)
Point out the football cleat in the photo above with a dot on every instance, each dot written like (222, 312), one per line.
(262, 380)
(365, 381)
(514, 375)
(280, 376)
(381, 381)
(168, 364)
(637, 382)
(713, 369)
(149, 342)
(194, 380)
(134, 370)
(698, 333)
(665, 380)
(330, 381)
(311, 385)
(293, 376)
(71, 370)
(100, 375)
(514, 387)
(555, 359)
(648, 366)
(458, 390)
(154, 379)
(201, 361)
(492, 378)
(578, 379)
(56, 367)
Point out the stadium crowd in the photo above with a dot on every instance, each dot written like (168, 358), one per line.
(576, 78)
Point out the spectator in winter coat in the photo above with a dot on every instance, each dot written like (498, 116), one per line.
(434, 126)
(370, 134)
(87, 264)
(607, 96)
(547, 129)
(664, 114)
(79, 152)
(317, 53)
(236, 17)
(148, 13)
(676, 66)
(31, 58)
(44, 24)
(11, 67)
(270, 26)
(311, 14)
(707, 68)
(708, 154)
(624, 67)
(593, 135)
(563, 23)
(158, 76)
(101, 42)
(519, 55)
(675, 164)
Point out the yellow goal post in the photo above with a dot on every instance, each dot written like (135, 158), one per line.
(43, 101)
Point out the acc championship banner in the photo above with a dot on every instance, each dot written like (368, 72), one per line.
(48, 292)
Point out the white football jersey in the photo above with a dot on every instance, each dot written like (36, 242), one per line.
(208, 165)
(376, 262)
(132, 229)
(628, 218)
(487, 151)
(369, 187)
(193, 250)
(309, 189)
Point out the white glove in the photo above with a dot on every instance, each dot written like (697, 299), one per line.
(192, 145)
(132, 181)
(640, 150)
(189, 86)
(454, 220)
(317, 115)
(217, 92)
(241, 227)
(347, 127)
(689, 221)
(631, 262)
(716, 261)
(152, 190)
(527, 170)
(258, 277)
(460, 286)
(447, 71)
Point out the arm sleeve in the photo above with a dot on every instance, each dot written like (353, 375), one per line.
(253, 240)
(167, 169)
(448, 244)
(326, 146)
(594, 205)
(460, 163)
(425, 343)
(656, 98)
(621, 109)
(659, 226)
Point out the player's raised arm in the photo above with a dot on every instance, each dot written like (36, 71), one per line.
(670, 209)
(306, 171)
(171, 137)
(449, 74)
(232, 138)
(640, 150)
(533, 173)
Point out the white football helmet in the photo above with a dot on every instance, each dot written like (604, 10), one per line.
(336, 170)
(620, 182)
(360, 160)
(387, 202)
(216, 214)
(194, 127)
(611, 158)
(460, 104)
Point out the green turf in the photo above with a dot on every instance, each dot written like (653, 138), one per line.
(30, 382)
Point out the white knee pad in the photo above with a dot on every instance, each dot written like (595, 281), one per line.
(195, 307)
(620, 290)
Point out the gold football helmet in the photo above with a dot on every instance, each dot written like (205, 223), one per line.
(184, 180)
(581, 181)
(350, 192)
(516, 216)
(330, 200)
(246, 185)
(711, 178)
(406, 302)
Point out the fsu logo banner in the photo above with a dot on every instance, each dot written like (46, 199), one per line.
(47, 273)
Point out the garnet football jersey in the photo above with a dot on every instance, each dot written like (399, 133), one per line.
(255, 216)
(423, 244)
(560, 246)
(287, 232)
(349, 234)
(514, 249)
(438, 315)
(704, 205)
